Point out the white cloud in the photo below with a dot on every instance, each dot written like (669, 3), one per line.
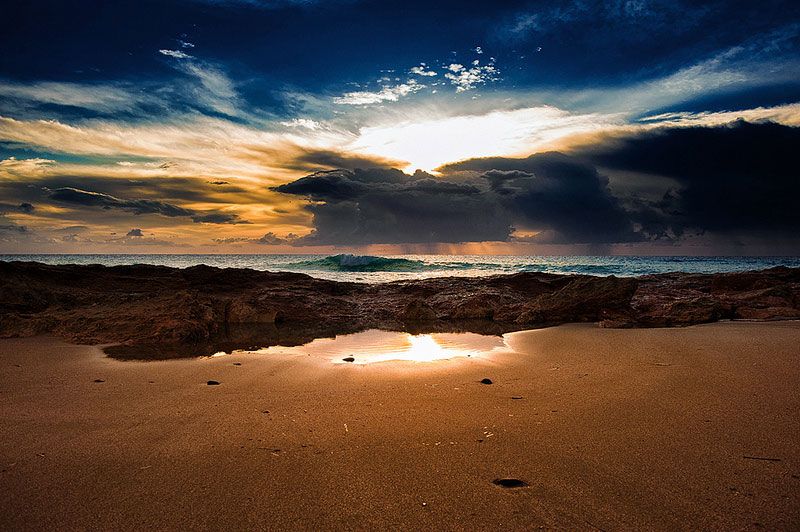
(422, 70)
(386, 94)
(302, 122)
(177, 54)
(25, 167)
(466, 79)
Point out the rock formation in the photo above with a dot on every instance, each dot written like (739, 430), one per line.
(159, 312)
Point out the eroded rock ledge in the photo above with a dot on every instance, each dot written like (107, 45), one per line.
(160, 312)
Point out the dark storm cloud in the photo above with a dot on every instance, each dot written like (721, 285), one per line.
(550, 192)
(739, 177)
(87, 198)
(217, 218)
(106, 201)
(388, 206)
(561, 195)
(728, 180)
(25, 208)
(567, 198)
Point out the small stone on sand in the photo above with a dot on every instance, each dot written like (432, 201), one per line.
(99, 380)
(510, 483)
(213, 383)
(486, 381)
(349, 359)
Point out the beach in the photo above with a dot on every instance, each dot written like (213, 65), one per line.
(679, 428)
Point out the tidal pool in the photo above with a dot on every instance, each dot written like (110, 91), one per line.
(374, 346)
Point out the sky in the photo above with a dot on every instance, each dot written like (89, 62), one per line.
(313, 126)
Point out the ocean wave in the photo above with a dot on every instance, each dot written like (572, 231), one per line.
(361, 263)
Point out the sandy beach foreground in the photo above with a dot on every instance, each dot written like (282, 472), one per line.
(688, 428)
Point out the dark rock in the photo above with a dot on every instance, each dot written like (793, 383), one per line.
(349, 359)
(249, 310)
(480, 307)
(237, 363)
(213, 383)
(583, 299)
(99, 380)
(418, 310)
(486, 381)
(510, 483)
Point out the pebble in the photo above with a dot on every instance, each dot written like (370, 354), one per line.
(510, 483)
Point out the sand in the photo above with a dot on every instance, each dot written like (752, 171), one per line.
(686, 428)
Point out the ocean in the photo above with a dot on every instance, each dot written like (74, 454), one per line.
(373, 269)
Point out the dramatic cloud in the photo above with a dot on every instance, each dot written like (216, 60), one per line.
(557, 196)
(568, 201)
(665, 183)
(389, 206)
(739, 177)
(562, 199)
(170, 126)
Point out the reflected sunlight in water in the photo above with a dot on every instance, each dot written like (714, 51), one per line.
(375, 346)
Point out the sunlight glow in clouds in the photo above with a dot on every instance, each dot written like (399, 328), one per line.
(429, 144)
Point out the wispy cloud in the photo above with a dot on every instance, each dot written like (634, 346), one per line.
(102, 97)
(177, 54)
(216, 91)
(388, 93)
(551, 17)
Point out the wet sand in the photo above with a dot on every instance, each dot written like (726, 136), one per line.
(686, 428)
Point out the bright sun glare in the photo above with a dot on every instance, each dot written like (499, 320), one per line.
(427, 144)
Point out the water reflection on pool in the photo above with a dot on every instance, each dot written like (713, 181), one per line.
(374, 346)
